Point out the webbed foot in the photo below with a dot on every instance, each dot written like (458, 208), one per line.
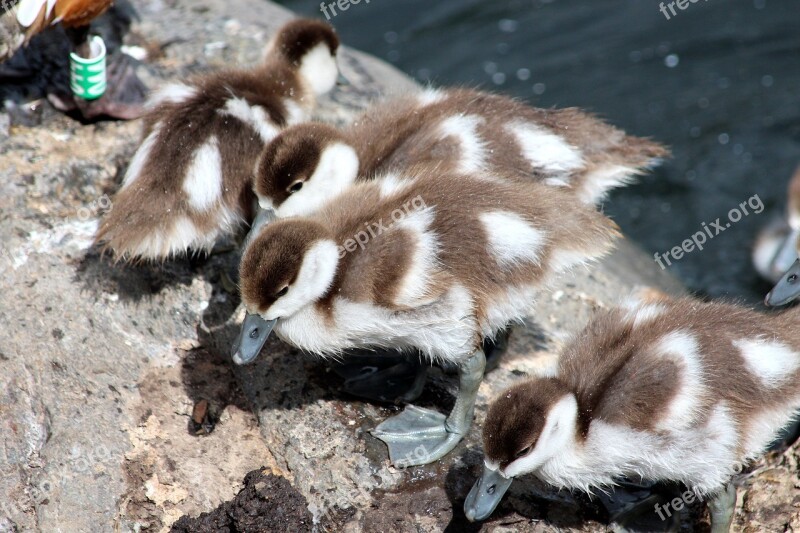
(420, 436)
(417, 436)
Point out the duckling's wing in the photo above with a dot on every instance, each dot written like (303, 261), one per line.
(617, 376)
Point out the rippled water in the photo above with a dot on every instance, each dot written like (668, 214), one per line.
(718, 82)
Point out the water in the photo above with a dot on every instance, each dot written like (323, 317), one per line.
(719, 82)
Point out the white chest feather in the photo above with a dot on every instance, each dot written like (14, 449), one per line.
(703, 457)
(436, 329)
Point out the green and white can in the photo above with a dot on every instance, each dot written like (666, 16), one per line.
(87, 77)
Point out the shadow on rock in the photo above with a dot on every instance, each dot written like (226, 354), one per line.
(132, 282)
(528, 502)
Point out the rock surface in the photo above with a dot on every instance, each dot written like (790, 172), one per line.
(101, 364)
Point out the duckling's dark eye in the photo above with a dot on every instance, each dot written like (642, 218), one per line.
(523, 452)
(296, 186)
(792, 278)
(282, 292)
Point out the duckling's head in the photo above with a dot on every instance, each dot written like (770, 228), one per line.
(287, 266)
(304, 167)
(310, 47)
(526, 426)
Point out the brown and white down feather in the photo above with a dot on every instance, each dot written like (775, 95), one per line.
(460, 130)
(458, 262)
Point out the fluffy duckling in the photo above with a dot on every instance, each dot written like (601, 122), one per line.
(459, 130)
(775, 254)
(189, 182)
(462, 130)
(666, 390)
(434, 265)
(125, 91)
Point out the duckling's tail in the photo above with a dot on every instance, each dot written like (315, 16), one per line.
(611, 158)
(619, 160)
(140, 226)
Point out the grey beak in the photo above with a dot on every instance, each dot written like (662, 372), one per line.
(264, 217)
(486, 494)
(255, 330)
(254, 333)
(341, 81)
(787, 288)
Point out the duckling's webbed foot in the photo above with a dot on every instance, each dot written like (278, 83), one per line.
(383, 377)
(420, 436)
(722, 506)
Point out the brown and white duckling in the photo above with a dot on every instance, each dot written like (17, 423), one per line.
(189, 182)
(434, 265)
(671, 390)
(462, 130)
(775, 254)
(459, 130)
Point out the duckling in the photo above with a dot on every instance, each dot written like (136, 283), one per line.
(465, 130)
(775, 254)
(418, 263)
(671, 390)
(189, 182)
(460, 130)
(125, 92)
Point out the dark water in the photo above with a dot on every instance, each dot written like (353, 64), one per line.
(719, 82)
